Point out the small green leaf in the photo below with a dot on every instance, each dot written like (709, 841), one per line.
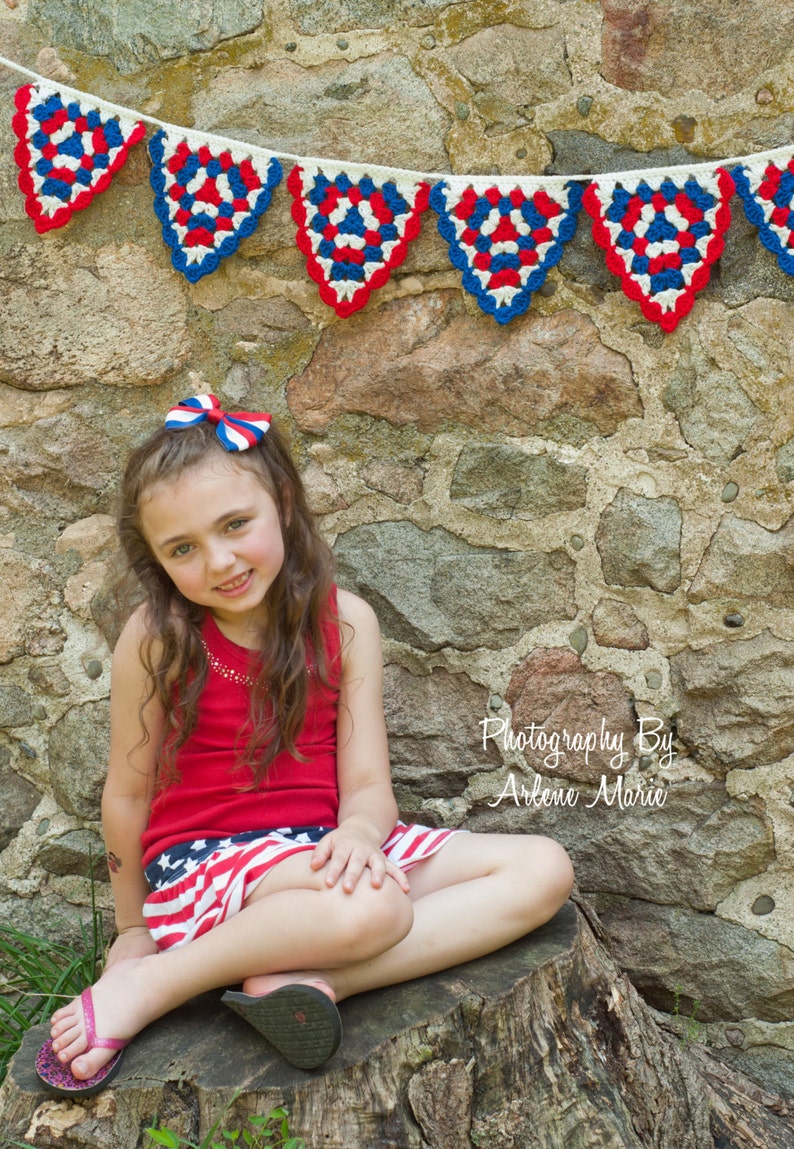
(164, 1137)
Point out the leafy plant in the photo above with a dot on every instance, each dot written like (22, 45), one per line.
(39, 974)
(693, 1026)
(271, 1132)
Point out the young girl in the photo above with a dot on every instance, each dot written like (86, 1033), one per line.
(249, 820)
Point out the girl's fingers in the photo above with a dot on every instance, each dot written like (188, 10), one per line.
(351, 862)
(399, 876)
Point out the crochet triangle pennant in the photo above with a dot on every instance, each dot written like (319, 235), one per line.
(661, 236)
(767, 191)
(67, 153)
(504, 236)
(353, 233)
(207, 198)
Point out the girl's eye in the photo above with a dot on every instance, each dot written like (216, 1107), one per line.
(235, 524)
(182, 549)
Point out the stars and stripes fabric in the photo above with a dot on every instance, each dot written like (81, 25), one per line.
(197, 885)
(767, 192)
(237, 430)
(353, 232)
(505, 236)
(207, 198)
(68, 152)
(661, 236)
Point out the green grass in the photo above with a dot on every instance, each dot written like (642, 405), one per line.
(38, 975)
(271, 1132)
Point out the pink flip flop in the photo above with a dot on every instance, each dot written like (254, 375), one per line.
(59, 1078)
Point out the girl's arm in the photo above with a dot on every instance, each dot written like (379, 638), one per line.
(129, 787)
(367, 809)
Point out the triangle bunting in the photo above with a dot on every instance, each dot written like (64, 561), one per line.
(353, 233)
(505, 236)
(67, 152)
(207, 198)
(767, 191)
(661, 236)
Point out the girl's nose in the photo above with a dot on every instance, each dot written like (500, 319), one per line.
(219, 557)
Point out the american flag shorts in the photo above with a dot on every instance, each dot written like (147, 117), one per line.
(197, 885)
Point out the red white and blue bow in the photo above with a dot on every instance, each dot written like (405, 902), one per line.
(237, 430)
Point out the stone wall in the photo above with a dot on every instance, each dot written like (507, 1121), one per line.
(573, 522)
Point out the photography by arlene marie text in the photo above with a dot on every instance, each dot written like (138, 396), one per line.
(552, 749)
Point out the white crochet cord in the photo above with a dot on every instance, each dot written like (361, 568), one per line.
(356, 171)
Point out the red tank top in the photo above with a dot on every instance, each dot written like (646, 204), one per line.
(209, 800)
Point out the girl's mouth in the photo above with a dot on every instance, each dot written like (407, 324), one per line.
(234, 585)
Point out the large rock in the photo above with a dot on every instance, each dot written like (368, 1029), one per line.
(615, 624)
(584, 718)
(432, 589)
(744, 560)
(21, 594)
(502, 480)
(60, 466)
(709, 46)
(639, 540)
(425, 361)
(133, 34)
(784, 462)
(16, 706)
(70, 315)
(691, 850)
(316, 16)
(20, 799)
(730, 971)
(520, 66)
(735, 702)
(76, 852)
(79, 744)
(435, 740)
(714, 413)
(50, 917)
(376, 109)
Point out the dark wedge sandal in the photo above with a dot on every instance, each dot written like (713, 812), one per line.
(300, 1021)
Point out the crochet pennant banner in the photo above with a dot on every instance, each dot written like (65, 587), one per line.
(504, 235)
(353, 232)
(661, 230)
(768, 195)
(67, 152)
(207, 199)
(661, 236)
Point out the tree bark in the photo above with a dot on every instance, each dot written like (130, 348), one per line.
(542, 1044)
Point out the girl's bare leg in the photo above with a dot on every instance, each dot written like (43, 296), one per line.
(478, 893)
(310, 926)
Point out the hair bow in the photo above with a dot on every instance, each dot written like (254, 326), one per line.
(237, 430)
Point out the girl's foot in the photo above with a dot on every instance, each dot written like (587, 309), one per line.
(122, 1007)
(261, 984)
(299, 1019)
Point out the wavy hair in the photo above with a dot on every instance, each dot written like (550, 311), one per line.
(298, 599)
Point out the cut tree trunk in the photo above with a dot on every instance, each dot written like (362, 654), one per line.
(543, 1044)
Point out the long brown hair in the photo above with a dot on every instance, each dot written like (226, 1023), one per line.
(298, 600)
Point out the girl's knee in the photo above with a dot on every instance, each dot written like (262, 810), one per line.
(556, 869)
(376, 919)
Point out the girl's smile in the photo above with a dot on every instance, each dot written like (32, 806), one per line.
(216, 532)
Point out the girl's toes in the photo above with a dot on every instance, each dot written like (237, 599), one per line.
(89, 1063)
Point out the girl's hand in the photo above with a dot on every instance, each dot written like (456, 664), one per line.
(135, 942)
(349, 851)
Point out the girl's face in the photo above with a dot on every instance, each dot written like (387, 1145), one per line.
(216, 532)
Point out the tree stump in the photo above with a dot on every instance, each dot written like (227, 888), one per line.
(542, 1044)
